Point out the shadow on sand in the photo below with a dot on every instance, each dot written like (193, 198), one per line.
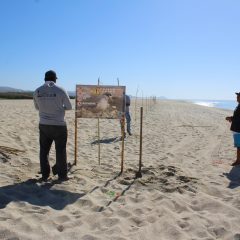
(34, 193)
(107, 140)
(234, 177)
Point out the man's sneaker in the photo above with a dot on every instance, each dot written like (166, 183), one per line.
(129, 133)
(63, 179)
(43, 179)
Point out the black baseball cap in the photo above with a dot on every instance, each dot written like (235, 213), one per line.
(50, 75)
(237, 93)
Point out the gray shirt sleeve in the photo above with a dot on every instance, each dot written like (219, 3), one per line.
(66, 102)
(34, 101)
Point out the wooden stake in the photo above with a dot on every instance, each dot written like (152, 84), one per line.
(146, 101)
(123, 133)
(136, 105)
(75, 160)
(99, 148)
(139, 174)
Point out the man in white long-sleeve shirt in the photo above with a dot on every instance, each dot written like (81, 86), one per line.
(52, 101)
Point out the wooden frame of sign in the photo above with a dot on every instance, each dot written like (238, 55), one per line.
(100, 101)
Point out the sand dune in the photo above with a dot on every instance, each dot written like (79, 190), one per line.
(188, 189)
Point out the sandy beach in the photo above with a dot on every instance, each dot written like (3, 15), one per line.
(188, 189)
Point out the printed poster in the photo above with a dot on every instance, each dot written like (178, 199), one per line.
(98, 101)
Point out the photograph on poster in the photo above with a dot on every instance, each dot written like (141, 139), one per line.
(94, 101)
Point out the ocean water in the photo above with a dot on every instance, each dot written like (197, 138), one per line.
(223, 104)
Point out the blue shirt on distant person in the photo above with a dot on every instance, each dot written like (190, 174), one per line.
(128, 102)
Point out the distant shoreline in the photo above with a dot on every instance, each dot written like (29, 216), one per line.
(220, 104)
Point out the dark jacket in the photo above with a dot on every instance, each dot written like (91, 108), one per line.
(235, 126)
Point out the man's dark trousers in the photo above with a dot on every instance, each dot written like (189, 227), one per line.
(48, 134)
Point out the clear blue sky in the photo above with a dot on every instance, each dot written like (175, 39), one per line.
(180, 49)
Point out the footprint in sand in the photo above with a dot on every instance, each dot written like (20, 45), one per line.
(170, 154)
(151, 219)
(89, 237)
(137, 222)
(183, 225)
(5, 234)
(236, 236)
(60, 228)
